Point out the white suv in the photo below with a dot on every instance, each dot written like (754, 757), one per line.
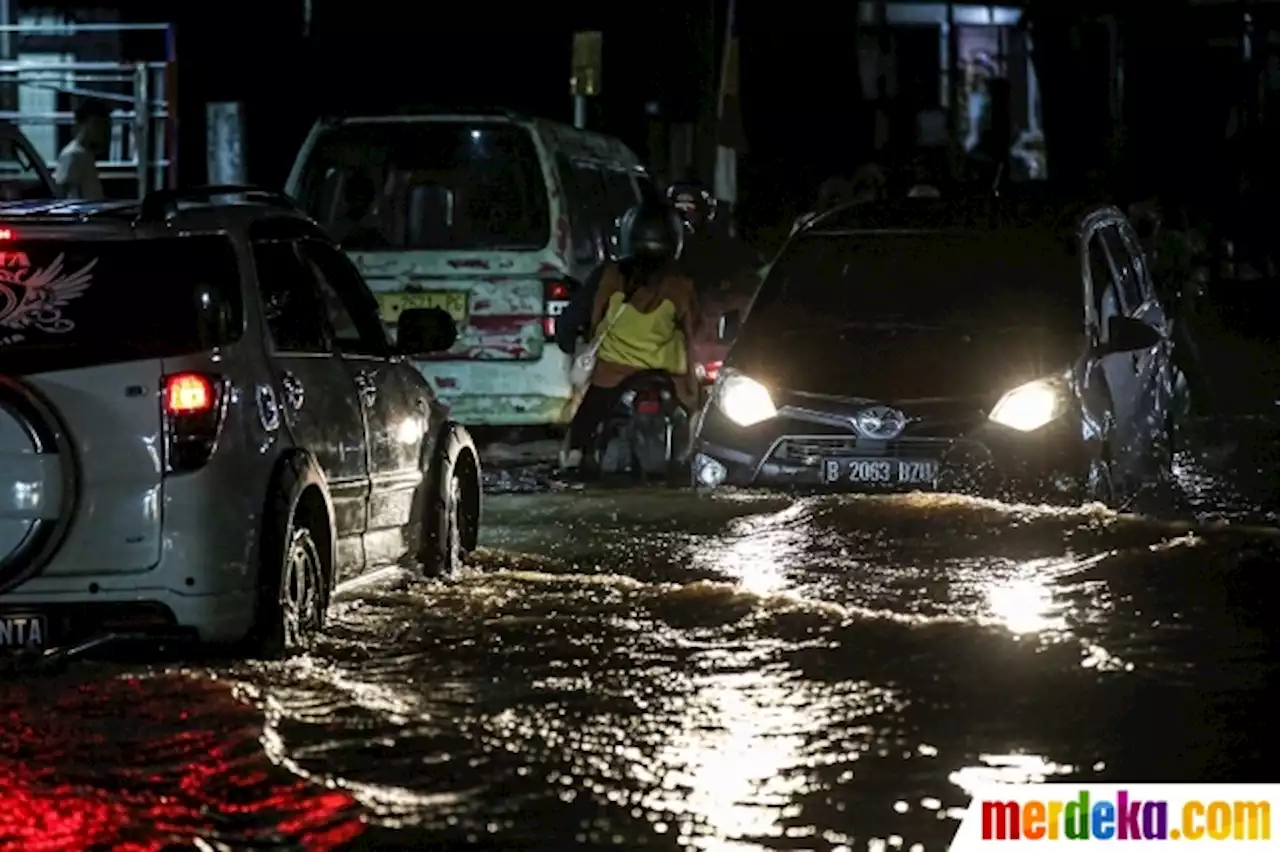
(203, 426)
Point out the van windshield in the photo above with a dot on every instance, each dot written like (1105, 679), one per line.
(428, 185)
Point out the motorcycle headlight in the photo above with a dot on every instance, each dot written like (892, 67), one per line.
(1031, 406)
(744, 400)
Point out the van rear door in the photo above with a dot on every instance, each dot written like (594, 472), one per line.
(449, 212)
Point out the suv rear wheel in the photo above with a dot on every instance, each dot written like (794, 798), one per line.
(301, 590)
(294, 595)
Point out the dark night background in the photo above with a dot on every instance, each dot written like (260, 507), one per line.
(800, 87)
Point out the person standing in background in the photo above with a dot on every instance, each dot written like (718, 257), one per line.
(77, 173)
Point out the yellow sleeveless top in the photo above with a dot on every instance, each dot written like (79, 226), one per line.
(646, 341)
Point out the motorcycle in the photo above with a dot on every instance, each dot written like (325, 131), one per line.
(646, 435)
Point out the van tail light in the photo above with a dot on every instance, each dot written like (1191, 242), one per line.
(555, 298)
(194, 407)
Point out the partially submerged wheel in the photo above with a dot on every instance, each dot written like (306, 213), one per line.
(294, 583)
(302, 599)
(37, 484)
(452, 517)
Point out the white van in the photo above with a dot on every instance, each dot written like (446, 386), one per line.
(493, 217)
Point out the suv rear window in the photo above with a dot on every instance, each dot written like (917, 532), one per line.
(429, 186)
(70, 303)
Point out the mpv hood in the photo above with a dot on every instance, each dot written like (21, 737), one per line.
(902, 363)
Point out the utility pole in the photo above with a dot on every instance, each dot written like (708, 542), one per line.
(729, 130)
(585, 73)
(705, 38)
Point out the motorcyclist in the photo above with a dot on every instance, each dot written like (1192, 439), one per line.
(575, 320)
(645, 308)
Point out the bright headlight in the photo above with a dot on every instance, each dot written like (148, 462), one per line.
(1031, 406)
(743, 400)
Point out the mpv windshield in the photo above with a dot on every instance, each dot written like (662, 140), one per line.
(72, 303)
(939, 278)
(433, 185)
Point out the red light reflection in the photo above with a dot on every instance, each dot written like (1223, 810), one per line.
(140, 764)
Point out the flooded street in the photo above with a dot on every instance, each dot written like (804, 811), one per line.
(657, 669)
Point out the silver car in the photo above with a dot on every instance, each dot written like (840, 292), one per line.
(204, 426)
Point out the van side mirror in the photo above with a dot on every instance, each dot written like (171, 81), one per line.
(1126, 334)
(728, 326)
(425, 331)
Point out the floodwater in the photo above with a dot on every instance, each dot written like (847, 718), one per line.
(654, 669)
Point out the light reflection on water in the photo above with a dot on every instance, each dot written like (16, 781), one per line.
(735, 761)
(1024, 606)
(1015, 768)
(757, 550)
(834, 676)
(727, 745)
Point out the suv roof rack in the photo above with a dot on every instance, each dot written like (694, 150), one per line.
(156, 205)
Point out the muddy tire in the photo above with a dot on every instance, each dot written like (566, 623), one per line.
(296, 572)
(291, 614)
(452, 515)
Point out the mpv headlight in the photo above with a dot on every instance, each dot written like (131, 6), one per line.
(1031, 406)
(744, 400)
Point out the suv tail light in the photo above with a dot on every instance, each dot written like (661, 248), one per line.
(555, 298)
(193, 405)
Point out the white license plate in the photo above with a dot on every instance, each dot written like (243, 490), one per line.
(879, 471)
(452, 302)
(23, 631)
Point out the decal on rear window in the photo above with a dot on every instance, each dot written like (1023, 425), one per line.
(66, 304)
(34, 298)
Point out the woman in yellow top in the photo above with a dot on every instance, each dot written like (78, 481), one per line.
(644, 311)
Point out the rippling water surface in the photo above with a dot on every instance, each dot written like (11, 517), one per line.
(654, 669)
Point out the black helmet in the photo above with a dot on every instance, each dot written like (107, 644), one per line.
(651, 231)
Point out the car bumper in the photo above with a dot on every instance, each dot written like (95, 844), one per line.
(505, 392)
(83, 611)
(984, 458)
